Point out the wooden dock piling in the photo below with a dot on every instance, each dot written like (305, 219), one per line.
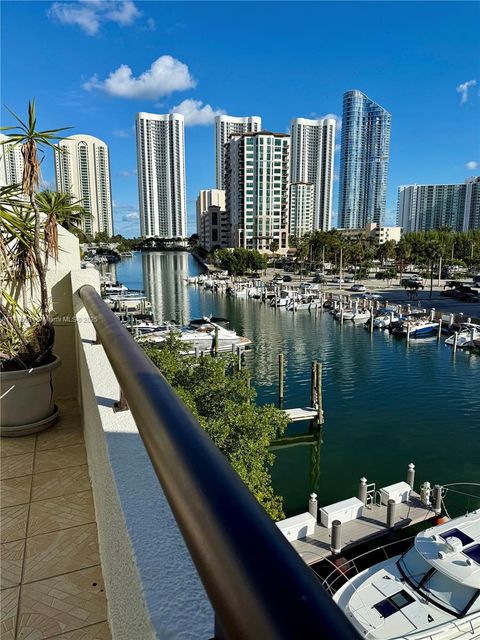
(318, 377)
(281, 368)
(313, 385)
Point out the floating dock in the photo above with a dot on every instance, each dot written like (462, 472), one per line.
(372, 524)
(301, 413)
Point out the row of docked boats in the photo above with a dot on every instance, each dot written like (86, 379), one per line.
(202, 335)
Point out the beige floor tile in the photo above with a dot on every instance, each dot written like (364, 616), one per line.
(60, 458)
(60, 513)
(60, 435)
(8, 613)
(13, 522)
(17, 465)
(16, 446)
(51, 554)
(94, 632)
(51, 484)
(11, 560)
(15, 491)
(58, 605)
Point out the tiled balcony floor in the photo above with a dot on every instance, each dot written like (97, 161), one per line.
(51, 579)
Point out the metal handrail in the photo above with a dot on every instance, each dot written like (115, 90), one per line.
(257, 584)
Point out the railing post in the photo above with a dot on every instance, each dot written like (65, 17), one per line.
(411, 474)
(362, 490)
(313, 505)
(121, 404)
(391, 507)
(437, 499)
(336, 540)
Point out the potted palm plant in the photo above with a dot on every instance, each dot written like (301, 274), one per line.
(28, 240)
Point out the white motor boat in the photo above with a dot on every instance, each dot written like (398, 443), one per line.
(466, 336)
(115, 288)
(431, 592)
(283, 299)
(200, 336)
(384, 318)
(361, 315)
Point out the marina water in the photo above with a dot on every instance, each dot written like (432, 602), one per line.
(386, 403)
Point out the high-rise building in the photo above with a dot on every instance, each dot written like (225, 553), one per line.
(301, 208)
(213, 226)
(225, 126)
(257, 185)
(11, 163)
(364, 161)
(82, 169)
(161, 175)
(313, 148)
(422, 207)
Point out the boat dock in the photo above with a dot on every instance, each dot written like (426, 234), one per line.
(372, 524)
(301, 413)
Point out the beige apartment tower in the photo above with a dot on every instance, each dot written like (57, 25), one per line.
(82, 169)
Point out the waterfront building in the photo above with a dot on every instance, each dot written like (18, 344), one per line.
(215, 232)
(82, 169)
(373, 231)
(365, 153)
(11, 163)
(213, 224)
(312, 155)
(257, 189)
(301, 208)
(225, 126)
(161, 174)
(431, 206)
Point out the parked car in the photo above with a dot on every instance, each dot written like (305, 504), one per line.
(358, 287)
(287, 278)
(318, 280)
(372, 296)
(381, 275)
(337, 280)
(449, 293)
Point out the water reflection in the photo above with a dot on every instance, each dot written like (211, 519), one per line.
(305, 449)
(164, 275)
(385, 404)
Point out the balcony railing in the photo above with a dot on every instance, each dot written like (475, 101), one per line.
(257, 584)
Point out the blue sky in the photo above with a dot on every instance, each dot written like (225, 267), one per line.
(279, 60)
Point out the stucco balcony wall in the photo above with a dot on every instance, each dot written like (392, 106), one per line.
(152, 586)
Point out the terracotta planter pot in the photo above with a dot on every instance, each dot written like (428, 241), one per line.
(27, 400)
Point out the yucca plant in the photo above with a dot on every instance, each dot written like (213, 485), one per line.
(28, 238)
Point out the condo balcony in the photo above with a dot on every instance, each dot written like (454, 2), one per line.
(122, 520)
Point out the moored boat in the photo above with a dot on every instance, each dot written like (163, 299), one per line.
(432, 591)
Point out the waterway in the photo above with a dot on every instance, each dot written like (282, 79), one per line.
(386, 403)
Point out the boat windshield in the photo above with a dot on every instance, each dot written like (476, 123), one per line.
(435, 585)
(413, 566)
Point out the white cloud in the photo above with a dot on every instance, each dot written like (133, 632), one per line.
(472, 165)
(196, 113)
(90, 14)
(127, 173)
(337, 148)
(166, 75)
(463, 90)
(121, 133)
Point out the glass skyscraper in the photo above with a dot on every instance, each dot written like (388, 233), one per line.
(364, 161)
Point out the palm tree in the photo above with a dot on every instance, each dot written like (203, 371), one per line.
(31, 242)
(274, 248)
(59, 208)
